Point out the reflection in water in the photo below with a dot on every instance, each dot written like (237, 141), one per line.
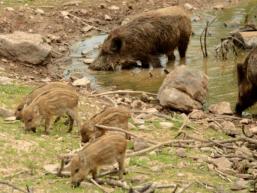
(222, 74)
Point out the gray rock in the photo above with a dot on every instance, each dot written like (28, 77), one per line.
(222, 163)
(5, 80)
(166, 125)
(197, 114)
(183, 89)
(229, 128)
(181, 152)
(140, 144)
(24, 47)
(221, 108)
(81, 82)
(5, 112)
(240, 184)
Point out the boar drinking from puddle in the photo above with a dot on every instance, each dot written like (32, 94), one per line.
(247, 82)
(110, 116)
(106, 150)
(144, 39)
(56, 102)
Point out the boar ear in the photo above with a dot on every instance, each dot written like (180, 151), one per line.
(116, 44)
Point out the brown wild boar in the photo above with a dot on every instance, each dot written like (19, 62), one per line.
(38, 91)
(247, 82)
(110, 116)
(144, 39)
(54, 103)
(106, 150)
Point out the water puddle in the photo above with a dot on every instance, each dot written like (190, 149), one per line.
(222, 74)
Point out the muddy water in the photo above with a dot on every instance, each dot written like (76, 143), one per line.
(222, 74)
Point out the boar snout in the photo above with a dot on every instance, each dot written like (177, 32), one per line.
(75, 184)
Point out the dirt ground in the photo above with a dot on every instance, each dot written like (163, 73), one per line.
(48, 18)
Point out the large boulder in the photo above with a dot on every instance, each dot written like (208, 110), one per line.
(24, 47)
(183, 89)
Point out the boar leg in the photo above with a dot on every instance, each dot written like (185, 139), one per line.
(171, 55)
(182, 47)
(48, 124)
(120, 161)
(94, 173)
(154, 61)
(73, 114)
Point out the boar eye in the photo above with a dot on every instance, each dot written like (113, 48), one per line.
(77, 170)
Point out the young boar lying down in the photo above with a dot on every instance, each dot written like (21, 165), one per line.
(38, 91)
(106, 150)
(56, 102)
(247, 82)
(144, 39)
(110, 116)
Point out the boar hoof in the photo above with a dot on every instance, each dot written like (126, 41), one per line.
(75, 184)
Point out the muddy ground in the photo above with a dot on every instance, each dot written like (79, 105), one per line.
(219, 158)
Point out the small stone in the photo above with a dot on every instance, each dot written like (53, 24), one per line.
(188, 6)
(47, 79)
(12, 118)
(218, 7)
(245, 121)
(5, 80)
(5, 112)
(222, 163)
(196, 18)
(40, 11)
(86, 28)
(166, 125)
(65, 14)
(113, 7)
(81, 82)
(229, 128)
(107, 18)
(197, 114)
(253, 130)
(137, 104)
(60, 139)
(4, 60)
(9, 9)
(180, 175)
(240, 184)
(221, 108)
(152, 153)
(88, 60)
(102, 6)
(140, 144)
(181, 152)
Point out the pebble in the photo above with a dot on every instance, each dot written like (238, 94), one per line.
(88, 60)
(113, 7)
(166, 125)
(107, 18)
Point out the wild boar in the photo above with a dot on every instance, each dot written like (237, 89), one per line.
(54, 103)
(247, 82)
(110, 116)
(38, 91)
(106, 150)
(144, 39)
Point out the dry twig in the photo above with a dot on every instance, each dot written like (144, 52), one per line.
(13, 186)
(124, 92)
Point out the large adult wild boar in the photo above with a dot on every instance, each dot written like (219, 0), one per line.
(144, 39)
(247, 82)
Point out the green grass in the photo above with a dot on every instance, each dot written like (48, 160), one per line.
(29, 152)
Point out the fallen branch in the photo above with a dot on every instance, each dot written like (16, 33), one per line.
(186, 187)
(167, 143)
(13, 186)
(124, 92)
(123, 131)
(99, 186)
(114, 183)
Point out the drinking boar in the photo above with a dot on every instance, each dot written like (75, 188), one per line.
(54, 103)
(144, 39)
(247, 82)
(110, 116)
(38, 91)
(106, 150)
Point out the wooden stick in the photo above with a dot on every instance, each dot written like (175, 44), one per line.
(124, 92)
(99, 186)
(112, 182)
(123, 131)
(186, 187)
(13, 186)
(149, 149)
